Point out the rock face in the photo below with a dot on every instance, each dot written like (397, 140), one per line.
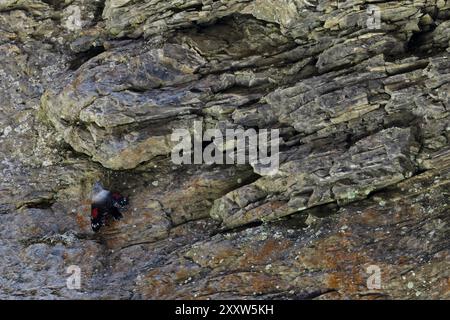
(359, 91)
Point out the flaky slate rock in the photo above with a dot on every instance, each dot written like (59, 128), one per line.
(371, 164)
(91, 90)
(115, 123)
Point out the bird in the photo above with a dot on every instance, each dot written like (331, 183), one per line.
(104, 203)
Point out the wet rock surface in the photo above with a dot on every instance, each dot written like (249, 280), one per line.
(92, 90)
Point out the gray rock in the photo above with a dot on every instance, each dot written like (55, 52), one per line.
(92, 90)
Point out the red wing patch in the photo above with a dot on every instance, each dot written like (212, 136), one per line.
(94, 213)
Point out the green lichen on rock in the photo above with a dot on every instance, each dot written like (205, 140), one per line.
(92, 90)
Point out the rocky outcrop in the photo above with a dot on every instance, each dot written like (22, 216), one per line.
(370, 164)
(93, 90)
